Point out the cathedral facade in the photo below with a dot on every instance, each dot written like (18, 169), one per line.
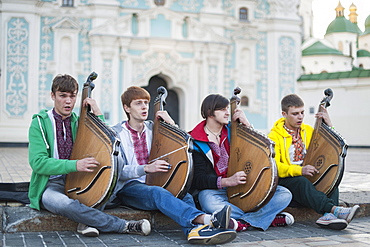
(193, 48)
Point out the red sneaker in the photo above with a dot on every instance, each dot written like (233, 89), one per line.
(283, 219)
(242, 226)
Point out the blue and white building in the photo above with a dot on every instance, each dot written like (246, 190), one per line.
(194, 48)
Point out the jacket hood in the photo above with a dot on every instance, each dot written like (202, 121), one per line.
(42, 114)
(278, 127)
(118, 127)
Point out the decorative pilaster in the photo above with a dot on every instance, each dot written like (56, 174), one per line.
(17, 66)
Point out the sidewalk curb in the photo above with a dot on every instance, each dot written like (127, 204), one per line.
(25, 219)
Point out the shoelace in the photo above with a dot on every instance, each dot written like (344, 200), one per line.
(134, 227)
(342, 212)
(242, 227)
(279, 221)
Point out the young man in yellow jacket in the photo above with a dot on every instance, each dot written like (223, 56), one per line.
(292, 138)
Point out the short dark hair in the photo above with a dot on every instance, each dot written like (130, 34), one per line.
(64, 83)
(212, 103)
(291, 100)
(133, 93)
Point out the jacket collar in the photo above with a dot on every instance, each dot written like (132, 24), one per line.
(199, 134)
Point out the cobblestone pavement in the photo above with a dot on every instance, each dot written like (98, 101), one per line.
(299, 234)
(14, 168)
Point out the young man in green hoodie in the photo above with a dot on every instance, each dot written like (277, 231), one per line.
(51, 136)
(292, 138)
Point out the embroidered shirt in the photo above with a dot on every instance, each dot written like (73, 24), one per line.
(222, 164)
(140, 145)
(297, 151)
(63, 135)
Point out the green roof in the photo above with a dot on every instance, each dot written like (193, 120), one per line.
(319, 48)
(367, 26)
(355, 73)
(357, 28)
(363, 53)
(341, 24)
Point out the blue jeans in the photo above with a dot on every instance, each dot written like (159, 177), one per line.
(212, 200)
(56, 201)
(145, 197)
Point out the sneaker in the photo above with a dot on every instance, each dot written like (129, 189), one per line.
(87, 230)
(328, 220)
(233, 224)
(221, 219)
(283, 219)
(242, 226)
(140, 227)
(205, 234)
(346, 213)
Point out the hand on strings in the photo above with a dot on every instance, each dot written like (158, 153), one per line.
(239, 115)
(323, 113)
(165, 117)
(87, 164)
(309, 170)
(157, 166)
(236, 179)
(93, 105)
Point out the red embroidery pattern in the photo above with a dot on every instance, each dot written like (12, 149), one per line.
(298, 145)
(140, 146)
(64, 139)
(222, 163)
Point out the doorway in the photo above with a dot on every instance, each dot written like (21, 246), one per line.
(172, 101)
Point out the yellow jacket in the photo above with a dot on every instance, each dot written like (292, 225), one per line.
(283, 140)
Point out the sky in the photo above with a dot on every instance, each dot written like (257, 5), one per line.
(324, 14)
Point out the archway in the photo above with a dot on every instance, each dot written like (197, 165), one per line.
(172, 106)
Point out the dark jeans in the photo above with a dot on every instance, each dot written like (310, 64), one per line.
(305, 194)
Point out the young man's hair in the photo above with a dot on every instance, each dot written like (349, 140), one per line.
(64, 83)
(291, 100)
(133, 93)
(212, 103)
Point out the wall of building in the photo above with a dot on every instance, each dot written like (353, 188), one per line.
(349, 109)
(196, 47)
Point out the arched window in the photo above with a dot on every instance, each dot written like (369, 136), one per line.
(67, 3)
(244, 101)
(243, 14)
(134, 24)
(361, 66)
(159, 2)
(185, 27)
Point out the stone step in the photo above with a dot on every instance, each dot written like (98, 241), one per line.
(17, 218)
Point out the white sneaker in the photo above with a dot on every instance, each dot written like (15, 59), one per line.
(329, 220)
(87, 230)
(346, 213)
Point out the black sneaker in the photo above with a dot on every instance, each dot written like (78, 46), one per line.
(205, 234)
(221, 219)
(140, 227)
